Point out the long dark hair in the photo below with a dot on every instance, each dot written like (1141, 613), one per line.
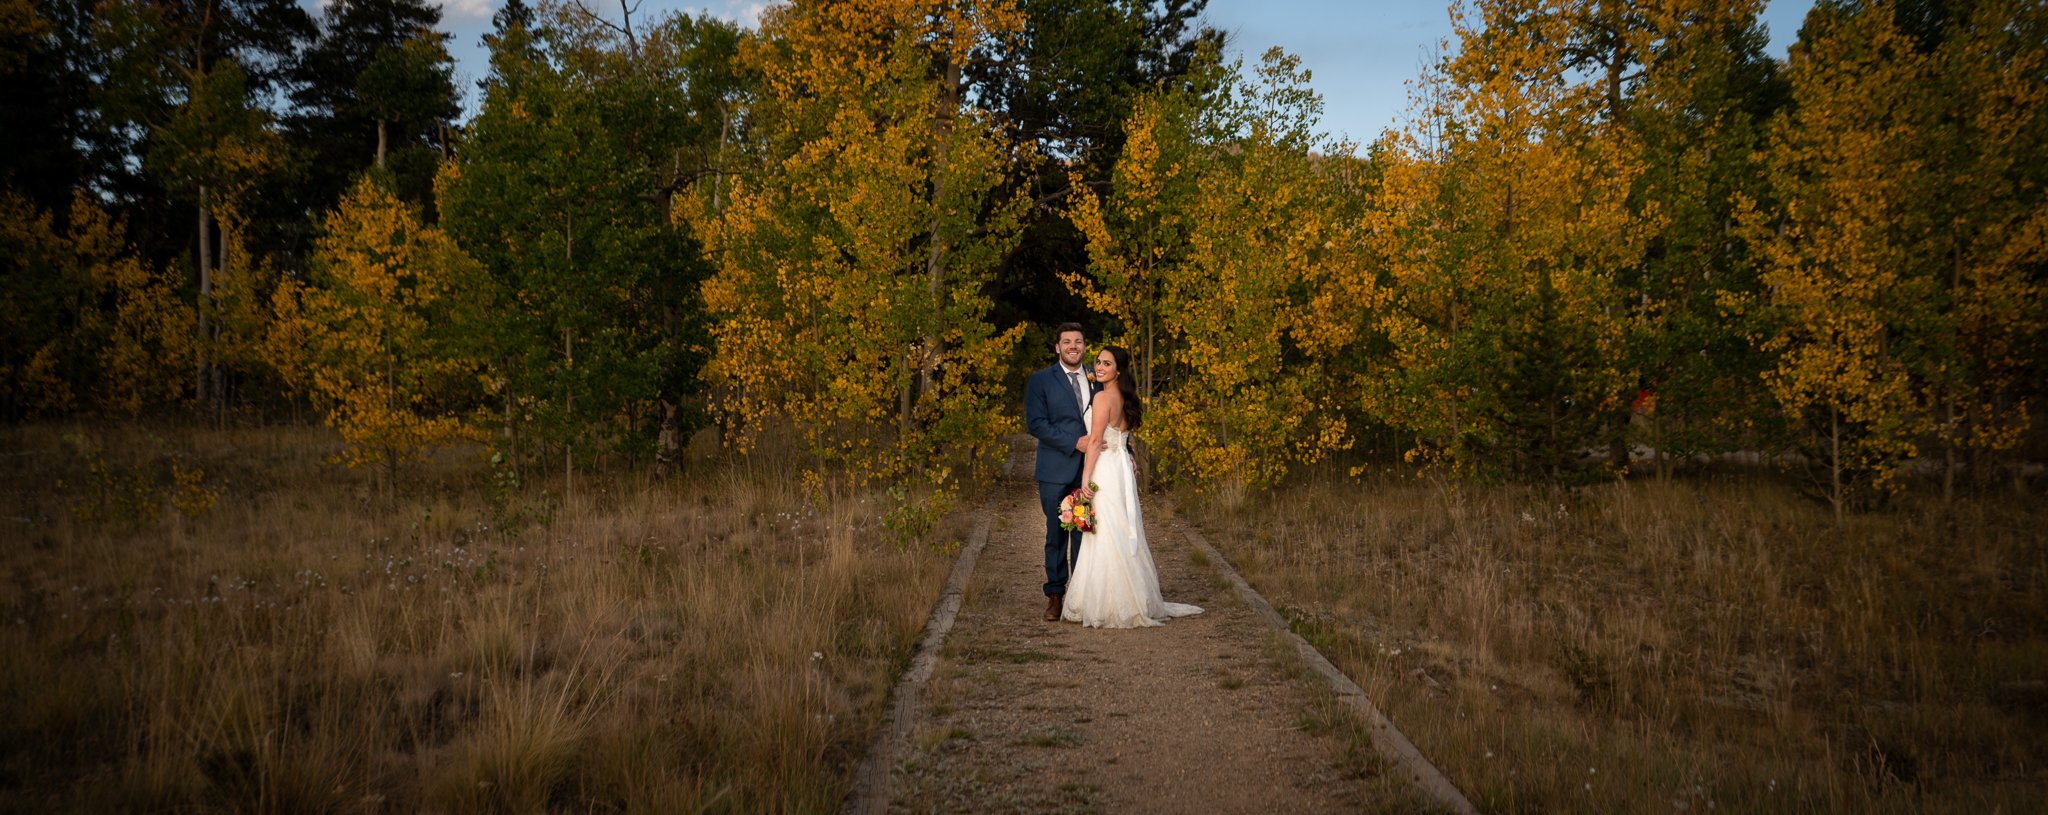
(1134, 408)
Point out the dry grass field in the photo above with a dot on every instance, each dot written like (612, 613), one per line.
(1698, 646)
(222, 621)
(202, 620)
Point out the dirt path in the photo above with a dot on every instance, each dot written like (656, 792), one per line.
(1206, 714)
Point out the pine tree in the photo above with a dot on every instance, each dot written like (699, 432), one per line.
(1066, 83)
(341, 131)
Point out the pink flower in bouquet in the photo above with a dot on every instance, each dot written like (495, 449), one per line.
(1077, 514)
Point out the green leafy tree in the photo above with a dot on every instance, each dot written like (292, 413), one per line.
(1701, 107)
(563, 192)
(1986, 238)
(409, 84)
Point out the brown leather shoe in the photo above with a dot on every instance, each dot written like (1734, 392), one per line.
(1053, 606)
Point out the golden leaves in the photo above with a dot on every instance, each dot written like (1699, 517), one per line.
(1504, 218)
(362, 340)
(1225, 253)
(1887, 260)
(125, 335)
(848, 300)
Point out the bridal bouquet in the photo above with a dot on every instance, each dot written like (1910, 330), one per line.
(1076, 513)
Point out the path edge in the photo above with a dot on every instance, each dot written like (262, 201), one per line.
(1386, 738)
(870, 793)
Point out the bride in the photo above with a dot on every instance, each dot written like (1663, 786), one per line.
(1114, 583)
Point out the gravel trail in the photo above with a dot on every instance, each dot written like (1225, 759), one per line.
(1210, 714)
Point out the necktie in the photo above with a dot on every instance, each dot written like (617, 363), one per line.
(1080, 397)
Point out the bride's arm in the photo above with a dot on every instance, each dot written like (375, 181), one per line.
(1099, 417)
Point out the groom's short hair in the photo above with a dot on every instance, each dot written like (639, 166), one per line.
(1061, 331)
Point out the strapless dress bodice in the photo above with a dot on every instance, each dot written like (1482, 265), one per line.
(1114, 439)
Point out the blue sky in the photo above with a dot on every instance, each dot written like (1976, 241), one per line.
(1361, 53)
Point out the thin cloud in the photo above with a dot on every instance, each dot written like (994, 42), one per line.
(455, 11)
(743, 14)
(750, 14)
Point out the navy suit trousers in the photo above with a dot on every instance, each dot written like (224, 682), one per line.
(1061, 546)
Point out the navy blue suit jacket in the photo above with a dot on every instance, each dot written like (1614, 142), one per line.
(1051, 416)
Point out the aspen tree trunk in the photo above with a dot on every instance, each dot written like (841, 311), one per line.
(1835, 461)
(626, 18)
(205, 372)
(1146, 384)
(512, 426)
(905, 396)
(568, 410)
(380, 143)
(1663, 467)
(935, 261)
(391, 449)
(1452, 398)
(568, 366)
(668, 453)
(724, 137)
(1951, 436)
(1619, 456)
(1948, 470)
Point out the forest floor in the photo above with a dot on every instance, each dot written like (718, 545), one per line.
(1212, 713)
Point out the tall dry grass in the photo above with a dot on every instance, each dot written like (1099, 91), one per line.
(220, 620)
(1693, 646)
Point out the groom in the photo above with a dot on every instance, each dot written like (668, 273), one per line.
(1054, 401)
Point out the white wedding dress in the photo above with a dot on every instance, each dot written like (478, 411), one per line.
(1114, 584)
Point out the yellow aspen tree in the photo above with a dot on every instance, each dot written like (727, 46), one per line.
(144, 331)
(373, 337)
(1261, 307)
(1143, 226)
(848, 304)
(243, 287)
(1840, 163)
(44, 291)
(216, 145)
(1901, 260)
(1987, 231)
(126, 339)
(1504, 218)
